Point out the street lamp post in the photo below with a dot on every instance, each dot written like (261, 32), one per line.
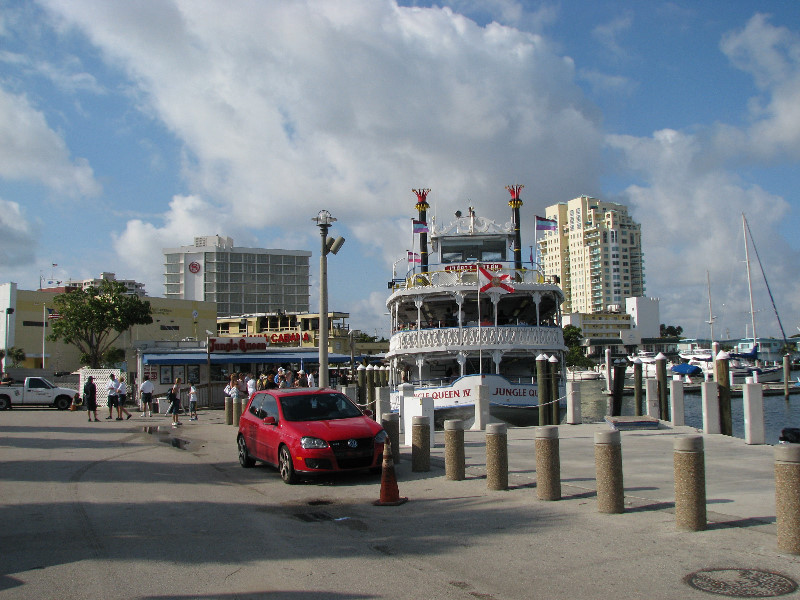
(329, 245)
(9, 312)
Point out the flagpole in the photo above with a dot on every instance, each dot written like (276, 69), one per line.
(44, 328)
(480, 340)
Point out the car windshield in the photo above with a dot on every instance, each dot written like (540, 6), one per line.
(318, 407)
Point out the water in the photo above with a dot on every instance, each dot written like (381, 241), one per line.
(778, 412)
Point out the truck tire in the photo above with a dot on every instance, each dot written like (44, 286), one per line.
(62, 402)
(5, 403)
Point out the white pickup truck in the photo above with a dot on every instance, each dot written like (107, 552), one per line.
(36, 391)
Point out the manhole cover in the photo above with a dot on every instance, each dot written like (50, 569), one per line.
(741, 583)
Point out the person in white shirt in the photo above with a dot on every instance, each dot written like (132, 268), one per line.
(193, 403)
(146, 391)
(122, 392)
(251, 385)
(311, 381)
(111, 392)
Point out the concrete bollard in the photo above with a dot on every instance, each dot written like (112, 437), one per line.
(690, 483)
(548, 463)
(608, 468)
(228, 410)
(710, 403)
(651, 398)
(383, 402)
(676, 401)
(753, 400)
(574, 403)
(237, 412)
(481, 407)
(454, 459)
(787, 497)
(391, 423)
(497, 456)
(420, 444)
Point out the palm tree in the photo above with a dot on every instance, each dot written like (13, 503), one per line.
(17, 355)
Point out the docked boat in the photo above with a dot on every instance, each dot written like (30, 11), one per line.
(469, 313)
(583, 374)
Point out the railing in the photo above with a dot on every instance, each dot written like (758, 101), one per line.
(466, 274)
(488, 337)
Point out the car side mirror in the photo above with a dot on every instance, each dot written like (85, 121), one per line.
(367, 412)
(270, 421)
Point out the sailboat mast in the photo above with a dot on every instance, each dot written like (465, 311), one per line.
(749, 281)
(710, 313)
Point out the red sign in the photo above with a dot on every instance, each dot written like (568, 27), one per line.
(243, 344)
(288, 338)
(194, 267)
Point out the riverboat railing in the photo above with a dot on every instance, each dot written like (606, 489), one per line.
(486, 337)
(444, 275)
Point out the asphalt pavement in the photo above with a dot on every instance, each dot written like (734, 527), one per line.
(135, 509)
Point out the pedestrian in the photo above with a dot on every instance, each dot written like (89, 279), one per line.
(122, 394)
(232, 389)
(270, 382)
(111, 389)
(90, 398)
(192, 403)
(312, 382)
(174, 396)
(146, 391)
(289, 378)
(241, 383)
(251, 385)
(301, 380)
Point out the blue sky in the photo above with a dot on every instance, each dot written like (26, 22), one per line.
(129, 127)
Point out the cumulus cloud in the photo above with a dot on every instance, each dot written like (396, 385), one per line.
(31, 151)
(349, 104)
(17, 239)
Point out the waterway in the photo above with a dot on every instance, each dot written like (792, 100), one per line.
(778, 411)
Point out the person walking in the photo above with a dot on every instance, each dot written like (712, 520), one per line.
(232, 389)
(90, 398)
(193, 403)
(111, 388)
(174, 396)
(146, 391)
(122, 394)
(312, 379)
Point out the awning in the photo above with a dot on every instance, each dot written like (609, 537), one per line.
(218, 358)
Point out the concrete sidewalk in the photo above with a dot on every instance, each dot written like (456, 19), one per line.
(141, 510)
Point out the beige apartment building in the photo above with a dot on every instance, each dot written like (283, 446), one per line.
(596, 252)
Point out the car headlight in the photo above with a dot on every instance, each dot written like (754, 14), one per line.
(381, 437)
(312, 442)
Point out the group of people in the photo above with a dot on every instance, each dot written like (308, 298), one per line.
(117, 395)
(244, 385)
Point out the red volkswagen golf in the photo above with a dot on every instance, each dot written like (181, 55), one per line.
(308, 430)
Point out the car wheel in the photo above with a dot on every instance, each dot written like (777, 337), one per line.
(63, 402)
(244, 456)
(5, 403)
(285, 466)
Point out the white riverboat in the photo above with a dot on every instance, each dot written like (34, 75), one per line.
(474, 315)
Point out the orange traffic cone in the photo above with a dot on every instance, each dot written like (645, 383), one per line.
(390, 495)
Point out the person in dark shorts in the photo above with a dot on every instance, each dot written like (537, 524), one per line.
(122, 394)
(111, 386)
(90, 398)
(175, 401)
(146, 390)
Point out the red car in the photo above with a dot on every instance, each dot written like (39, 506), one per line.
(308, 430)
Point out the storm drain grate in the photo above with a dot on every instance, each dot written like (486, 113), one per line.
(741, 583)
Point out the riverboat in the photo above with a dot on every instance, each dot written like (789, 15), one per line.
(474, 315)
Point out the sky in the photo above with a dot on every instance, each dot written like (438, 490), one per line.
(128, 127)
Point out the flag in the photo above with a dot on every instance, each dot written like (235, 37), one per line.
(413, 257)
(543, 224)
(420, 226)
(487, 280)
(52, 314)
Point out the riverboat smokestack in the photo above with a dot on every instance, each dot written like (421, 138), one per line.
(422, 226)
(515, 203)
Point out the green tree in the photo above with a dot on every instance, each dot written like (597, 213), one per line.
(671, 331)
(94, 318)
(17, 356)
(573, 336)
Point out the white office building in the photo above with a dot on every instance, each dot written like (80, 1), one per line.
(240, 280)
